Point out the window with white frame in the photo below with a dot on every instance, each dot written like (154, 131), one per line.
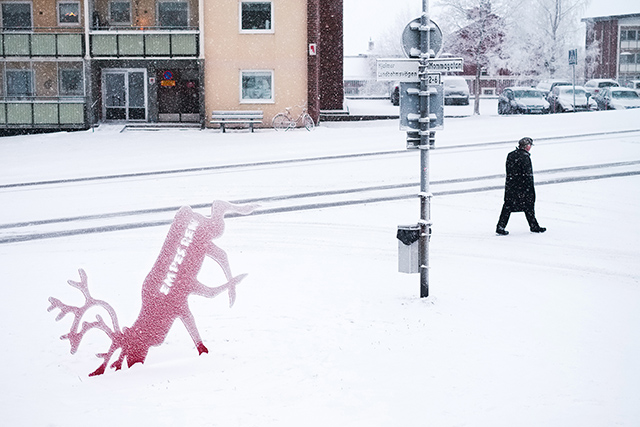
(19, 83)
(120, 12)
(628, 35)
(71, 82)
(256, 16)
(68, 13)
(256, 86)
(172, 14)
(16, 15)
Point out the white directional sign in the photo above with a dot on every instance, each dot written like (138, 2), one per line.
(403, 70)
(445, 64)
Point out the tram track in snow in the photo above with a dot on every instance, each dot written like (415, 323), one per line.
(215, 168)
(161, 216)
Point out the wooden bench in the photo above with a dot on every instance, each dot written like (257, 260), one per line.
(242, 117)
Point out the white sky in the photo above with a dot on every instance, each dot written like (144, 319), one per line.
(364, 19)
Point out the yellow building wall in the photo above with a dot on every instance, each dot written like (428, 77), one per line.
(45, 14)
(227, 52)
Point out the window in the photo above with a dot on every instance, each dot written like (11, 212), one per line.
(120, 12)
(629, 35)
(19, 83)
(256, 16)
(71, 82)
(16, 15)
(173, 14)
(69, 13)
(257, 86)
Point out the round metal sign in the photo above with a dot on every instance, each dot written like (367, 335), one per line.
(411, 39)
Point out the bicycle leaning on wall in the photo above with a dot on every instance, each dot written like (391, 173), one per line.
(285, 121)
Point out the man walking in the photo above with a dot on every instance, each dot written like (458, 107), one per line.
(519, 194)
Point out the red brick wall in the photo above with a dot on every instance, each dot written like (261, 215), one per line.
(331, 55)
(606, 34)
(325, 69)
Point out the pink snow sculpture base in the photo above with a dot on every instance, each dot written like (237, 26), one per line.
(165, 290)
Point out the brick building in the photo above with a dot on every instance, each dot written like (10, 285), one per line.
(613, 47)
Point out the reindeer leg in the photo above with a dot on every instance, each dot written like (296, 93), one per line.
(190, 323)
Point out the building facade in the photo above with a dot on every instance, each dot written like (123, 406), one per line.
(68, 64)
(614, 43)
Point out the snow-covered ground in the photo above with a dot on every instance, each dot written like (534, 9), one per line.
(523, 330)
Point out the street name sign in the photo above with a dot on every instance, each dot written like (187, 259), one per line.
(403, 70)
(445, 64)
(398, 69)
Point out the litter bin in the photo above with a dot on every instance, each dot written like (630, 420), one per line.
(408, 236)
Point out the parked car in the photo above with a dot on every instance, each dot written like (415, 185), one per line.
(635, 85)
(593, 86)
(546, 86)
(456, 90)
(522, 100)
(395, 93)
(617, 98)
(561, 99)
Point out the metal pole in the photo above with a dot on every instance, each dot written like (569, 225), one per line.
(425, 196)
(574, 88)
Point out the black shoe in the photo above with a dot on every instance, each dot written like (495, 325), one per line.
(538, 230)
(501, 231)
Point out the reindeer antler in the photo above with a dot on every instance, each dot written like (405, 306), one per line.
(75, 334)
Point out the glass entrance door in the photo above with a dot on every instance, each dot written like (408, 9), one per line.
(124, 95)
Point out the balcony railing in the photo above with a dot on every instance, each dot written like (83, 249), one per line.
(166, 43)
(42, 112)
(41, 42)
(110, 43)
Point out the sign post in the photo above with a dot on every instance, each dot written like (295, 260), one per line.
(421, 113)
(573, 60)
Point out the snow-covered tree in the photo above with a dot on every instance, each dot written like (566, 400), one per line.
(539, 37)
(477, 34)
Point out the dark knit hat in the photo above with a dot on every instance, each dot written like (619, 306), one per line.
(524, 142)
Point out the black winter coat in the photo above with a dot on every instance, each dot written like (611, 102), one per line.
(519, 194)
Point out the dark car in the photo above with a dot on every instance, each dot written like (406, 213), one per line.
(522, 100)
(395, 93)
(617, 98)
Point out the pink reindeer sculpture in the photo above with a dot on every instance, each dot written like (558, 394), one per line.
(165, 290)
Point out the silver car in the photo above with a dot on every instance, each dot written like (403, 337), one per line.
(594, 86)
(561, 99)
(456, 90)
(617, 98)
(522, 100)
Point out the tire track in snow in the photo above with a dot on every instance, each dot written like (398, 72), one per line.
(284, 162)
(298, 202)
